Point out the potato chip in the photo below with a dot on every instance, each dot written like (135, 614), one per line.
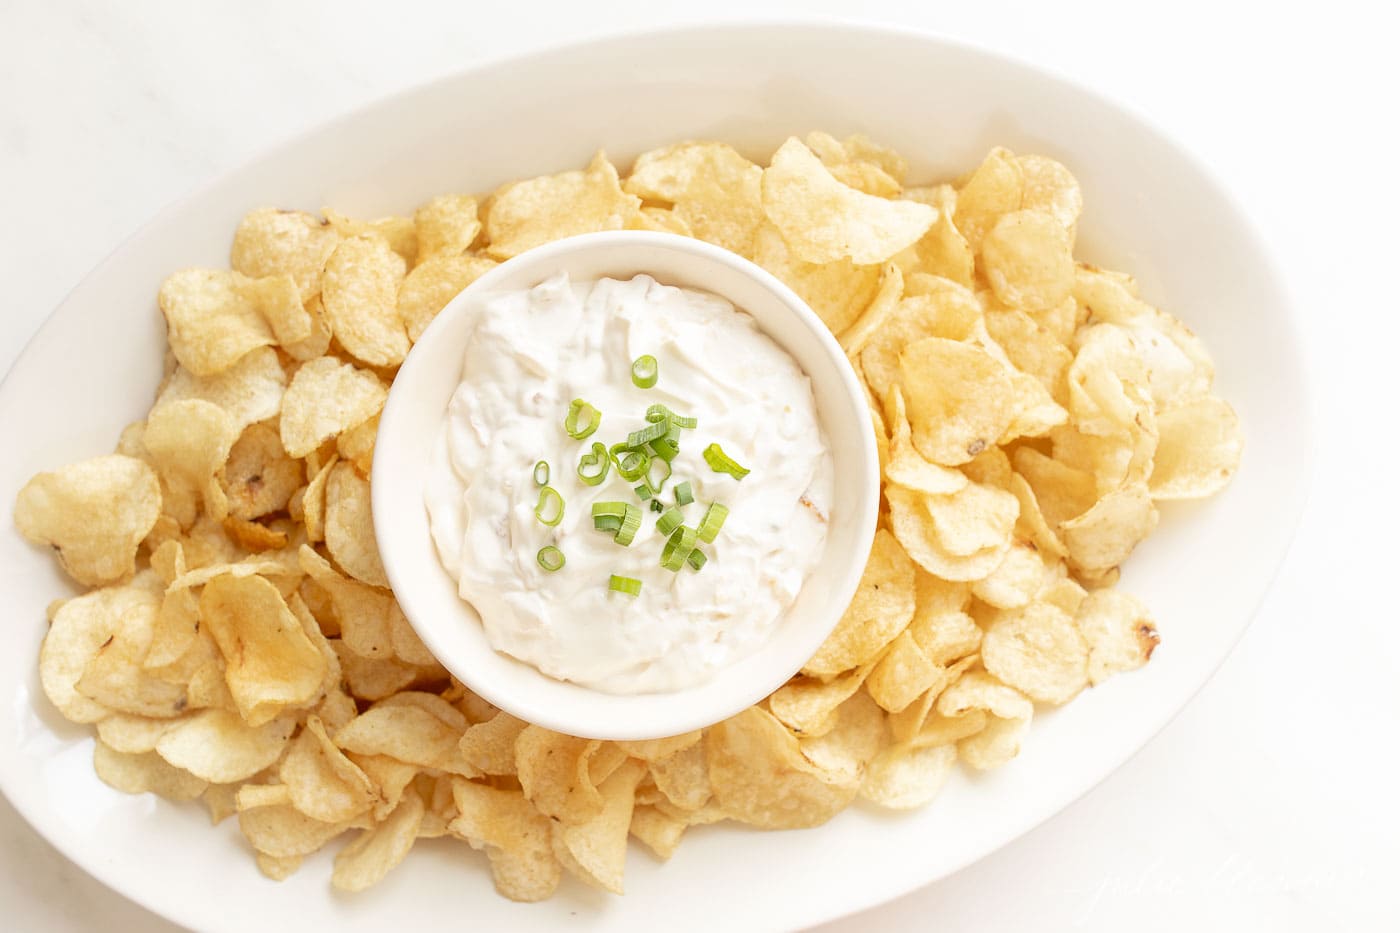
(904, 777)
(595, 851)
(432, 284)
(525, 214)
(253, 536)
(1037, 650)
(274, 242)
(144, 772)
(259, 478)
(760, 776)
(350, 526)
(1026, 258)
(252, 796)
(1103, 537)
(1031, 348)
(1118, 631)
(854, 338)
(660, 220)
(931, 307)
(859, 163)
(272, 665)
(279, 301)
(853, 741)
(837, 291)
(943, 250)
(366, 860)
(325, 398)
(219, 798)
(210, 319)
(1061, 492)
(713, 190)
(683, 777)
(365, 613)
(446, 225)
(490, 746)
(284, 832)
(1015, 581)
(994, 189)
(554, 773)
(912, 524)
(517, 839)
(131, 734)
(805, 704)
(960, 399)
(372, 678)
(825, 221)
(1105, 381)
(93, 514)
(248, 391)
(189, 441)
(359, 292)
(1048, 186)
(904, 672)
(657, 831)
(1198, 450)
(906, 466)
(974, 519)
(277, 869)
(1008, 716)
(218, 746)
(882, 606)
(404, 733)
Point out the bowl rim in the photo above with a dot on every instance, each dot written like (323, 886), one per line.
(111, 873)
(576, 709)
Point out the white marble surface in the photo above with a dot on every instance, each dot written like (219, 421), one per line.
(1270, 803)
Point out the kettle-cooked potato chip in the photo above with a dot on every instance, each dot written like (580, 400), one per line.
(713, 190)
(882, 606)
(823, 220)
(960, 399)
(350, 526)
(360, 292)
(1198, 450)
(446, 225)
(528, 213)
(272, 242)
(1026, 257)
(432, 284)
(1038, 650)
(218, 746)
(248, 391)
(838, 291)
(211, 320)
(93, 513)
(325, 398)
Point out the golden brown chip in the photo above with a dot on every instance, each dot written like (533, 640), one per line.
(275, 242)
(882, 606)
(360, 293)
(960, 399)
(1008, 716)
(350, 526)
(144, 772)
(1026, 258)
(1118, 631)
(805, 704)
(553, 770)
(943, 250)
(1049, 187)
(903, 777)
(218, 746)
(825, 221)
(760, 776)
(490, 746)
(131, 734)
(1198, 450)
(1038, 650)
(93, 513)
(911, 520)
(366, 860)
(248, 391)
(259, 478)
(838, 291)
(657, 831)
(713, 190)
(853, 741)
(1103, 537)
(404, 733)
(446, 225)
(595, 851)
(524, 214)
(325, 398)
(990, 191)
(284, 832)
(516, 837)
(189, 441)
(211, 320)
(432, 284)
(366, 615)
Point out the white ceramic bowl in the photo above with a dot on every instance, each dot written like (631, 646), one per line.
(413, 418)
(1150, 208)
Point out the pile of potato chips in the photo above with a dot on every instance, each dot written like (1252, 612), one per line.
(239, 643)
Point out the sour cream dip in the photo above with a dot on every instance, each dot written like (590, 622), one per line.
(530, 354)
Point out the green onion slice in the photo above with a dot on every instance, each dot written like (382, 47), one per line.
(620, 519)
(542, 474)
(684, 495)
(593, 467)
(643, 491)
(721, 462)
(669, 520)
(550, 558)
(644, 371)
(656, 506)
(664, 448)
(656, 476)
(712, 522)
(550, 508)
(678, 548)
(659, 412)
(697, 559)
(646, 435)
(628, 585)
(631, 464)
(582, 419)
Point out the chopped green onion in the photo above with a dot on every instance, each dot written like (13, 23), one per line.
(721, 462)
(550, 558)
(542, 474)
(549, 497)
(664, 448)
(629, 585)
(669, 520)
(659, 412)
(656, 505)
(631, 464)
(647, 434)
(697, 559)
(655, 482)
(621, 519)
(678, 548)
(582, 419)
(712, 522)
(683, 494)
(643, 492)
(593, 467)
(644, 371)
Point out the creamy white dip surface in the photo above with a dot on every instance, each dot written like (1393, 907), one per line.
(529, 355)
